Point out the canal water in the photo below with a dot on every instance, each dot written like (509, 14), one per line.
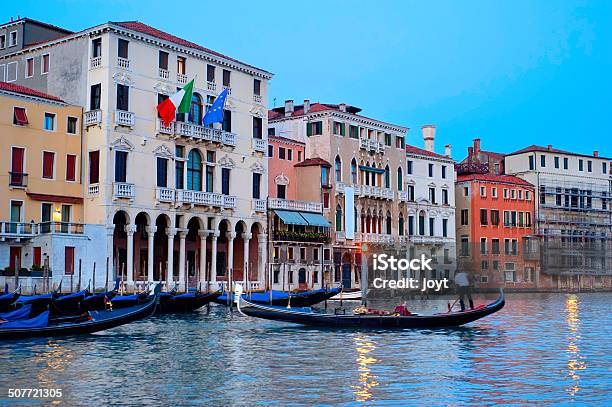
(542, 349)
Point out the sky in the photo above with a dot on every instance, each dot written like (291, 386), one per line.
(512, 73)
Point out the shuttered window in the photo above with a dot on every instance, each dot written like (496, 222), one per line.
(70, 167)
(48, 162)
(94, 167)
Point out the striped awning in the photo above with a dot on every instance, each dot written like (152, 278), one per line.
(291, 217)
(315, 219)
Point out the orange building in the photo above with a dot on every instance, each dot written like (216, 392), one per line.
(494, 226)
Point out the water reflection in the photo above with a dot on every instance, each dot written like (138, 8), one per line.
(367, 380)
(575, 361)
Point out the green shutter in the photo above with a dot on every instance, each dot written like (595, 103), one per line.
(308, 129)
(342, 129)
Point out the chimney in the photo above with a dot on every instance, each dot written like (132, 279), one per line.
(595, 153)
(306, 106)
(447, 150)
(288, 108)
(476, 146)
(429, 134)
(342, 107)
(470, 152)
(550, 147)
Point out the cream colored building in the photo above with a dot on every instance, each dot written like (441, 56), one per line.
(171, 198)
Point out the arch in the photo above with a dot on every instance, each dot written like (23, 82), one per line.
(120, 219)
(400, 179)
(387, 177)
(338, 168)
(400, 224)
(354, 171)
(160, 250)
(345, 276)
(421, 223)
(338, 218)
(195, 109)
(194, 170)
(388, 223)
(141, 246)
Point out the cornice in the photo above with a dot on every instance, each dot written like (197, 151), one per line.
(36, 99)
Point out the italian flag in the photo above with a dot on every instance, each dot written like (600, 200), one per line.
(180, 102)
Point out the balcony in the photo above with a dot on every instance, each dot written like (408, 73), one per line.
(340, 187)
(229, 202)
(93, 190)
(374, 238)
(60, 227)
(17, 230)
(123, 118)
(340, 236)
(260, 145)
(163, 74)
(95, 63)
(369, 191)
(165, 194)
(371, 145)
(259, 205)
(229, 89)
(123, 190)
(18, 179)
(205, 198)
(257, 98)
(211, 86)
(93, 117)
(123, 63)
(181, 78)
(196, 132)
(314, 237)
(276, 203)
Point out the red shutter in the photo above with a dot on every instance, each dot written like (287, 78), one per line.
(48, 158)
(17, 160)
(70, 167)
(94, 171)
(20, 116)
(69, 260)
(36, 256)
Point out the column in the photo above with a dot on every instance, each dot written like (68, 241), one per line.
(130, 229)
(203, 237)
(170, 269)
(181, 266)
(150, 242)
(110, 241)
(213, 256)
(246, 238)
(262, 256)
(230, 258)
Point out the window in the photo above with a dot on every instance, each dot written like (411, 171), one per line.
(521, 219)
(281, 191)
(2, 41)
(71, 167)
(17, 177)
(326, 200)
(513, 194)
(94, 97)
(338, 218)
(411, 193)
(179, 168)
(542, 161)
(513, 218)
(163, 60)
(281, 153)
(210, 178)
(543, 194)
(94, 167)
(484, 265)
(400, 180)
(495, 246)
(314, 128)
(465, 246)
(11, 71)
(483, 245)
(387, 139)
(50, 121)
(444, 227)
(181, 65)
(120, 166)
(531, 163)
(494, 217)
(484, 217)
(270, 150)
(227, 121)
(556, 162)
(257, 87)
(353, 132)
(12, 38)
(29, 72)
(36, 256)
(162, 172)
(400, 142)
(432, 195)
(2, 72)
(444, 171)
(257, 128)
(590, 166)
(494, 192)
(338, 169)
(604, 168)
(464, 217)
(339, 129)
(527, 196)
(387, 177)
(432, 224)
(409, 167)
(48, 164)
(71, 125)
(483, 191)
(400, 225)
(431, 170)
(226, 78)
(271, 131)
(506, 218)
(299, 157)
(96, 48)
(410, 225)
(506, 246)
(69, 260)
(444, 196)
(19, 116)
(225, 181)
(580, 165)
(528, 219)
(565, 163)
(256, 185)
(210, 73)
(122, 48)
(466, 191)
(123, 101)
(505, 193)
(324, 176)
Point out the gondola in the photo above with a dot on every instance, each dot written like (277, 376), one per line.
(20, 313)
(185, 302)
(123, 301)
(98, 301)
(307, 316)
(68, 304)
(283, 298)
(92, 321)
(39, 302)
(7, 300)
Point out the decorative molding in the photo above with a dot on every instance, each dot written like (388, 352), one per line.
(258, 167)
(258, 111)
(229, 103)
(123, 78)
(122, 144)
(164, 88)
(227, 162)
(281, 179)
(163, 151)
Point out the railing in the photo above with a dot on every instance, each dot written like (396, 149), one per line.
(374, 191)
(340, 236)
(123, 190)
(257, 98)
(17, 230)
(371, 145)
(229, 202)
(123, 63)
(123, 118)
(95, 63)
(18, 179)
(163, 129)
(195, 131)
(163, 73)
(211, 86)
(404, 196)
(374, 238)
(260, 145)
(205, 198)
(259, 205)
(277, 203)
(181, 78)
(165, 194)
(93, 117)
(61, 227)
(229, 90)
(340, 187)
(93, 189)
(316, 237)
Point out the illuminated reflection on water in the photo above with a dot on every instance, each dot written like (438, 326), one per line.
(542, 349)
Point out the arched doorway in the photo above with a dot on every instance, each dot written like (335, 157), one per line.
(141, 247)
(160, 250)
(302, 283)
(239, 265)
(346, 270)
(256, 265)
(223, 251)
(192, 251)
(120, 220)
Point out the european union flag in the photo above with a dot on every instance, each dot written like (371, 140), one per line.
(215, 114)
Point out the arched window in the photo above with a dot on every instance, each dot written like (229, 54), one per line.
(354, 171)
(388, 221)
(400, 225)
(338, 218)
(367, 174)
(194, 170)
(195, 110)
(387, 177)
(355, 226)
(422, 223)
(338, 169)
(400, 179)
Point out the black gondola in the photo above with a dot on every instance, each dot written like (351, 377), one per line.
(92, 321)
(7, 300)
(283, 298)
(307, 316)
(98, 301)
(39, 302)
(186, 302)
(68, 304)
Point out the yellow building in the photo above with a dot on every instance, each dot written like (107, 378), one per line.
(41, 204)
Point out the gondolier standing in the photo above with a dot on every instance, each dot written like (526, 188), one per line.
(463, 289)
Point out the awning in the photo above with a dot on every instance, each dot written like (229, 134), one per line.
(290, 217)
(315, 219)
(20, 116)
(371, 169)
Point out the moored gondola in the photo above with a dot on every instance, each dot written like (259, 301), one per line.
(68, 304)
(307, 316)
(283, 298)
(92, 321)
(7, 300)
(185, 302)
(39, 302)
(97, 301)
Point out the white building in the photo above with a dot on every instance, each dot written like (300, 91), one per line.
(168, 198)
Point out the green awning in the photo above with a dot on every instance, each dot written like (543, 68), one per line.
(291, 217)
(371, 169)
(315, 219)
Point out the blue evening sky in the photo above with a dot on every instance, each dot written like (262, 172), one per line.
(513, 73)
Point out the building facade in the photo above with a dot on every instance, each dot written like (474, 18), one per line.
(572, 214)
(172, 198)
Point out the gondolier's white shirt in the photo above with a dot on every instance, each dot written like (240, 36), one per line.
(461, 279)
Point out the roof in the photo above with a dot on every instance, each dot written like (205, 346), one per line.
(550, 149)
(420, 151)
(10, 87)
(285, 139)
(311, 162)
(504, 179)
(154, 32)
(37, 22)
